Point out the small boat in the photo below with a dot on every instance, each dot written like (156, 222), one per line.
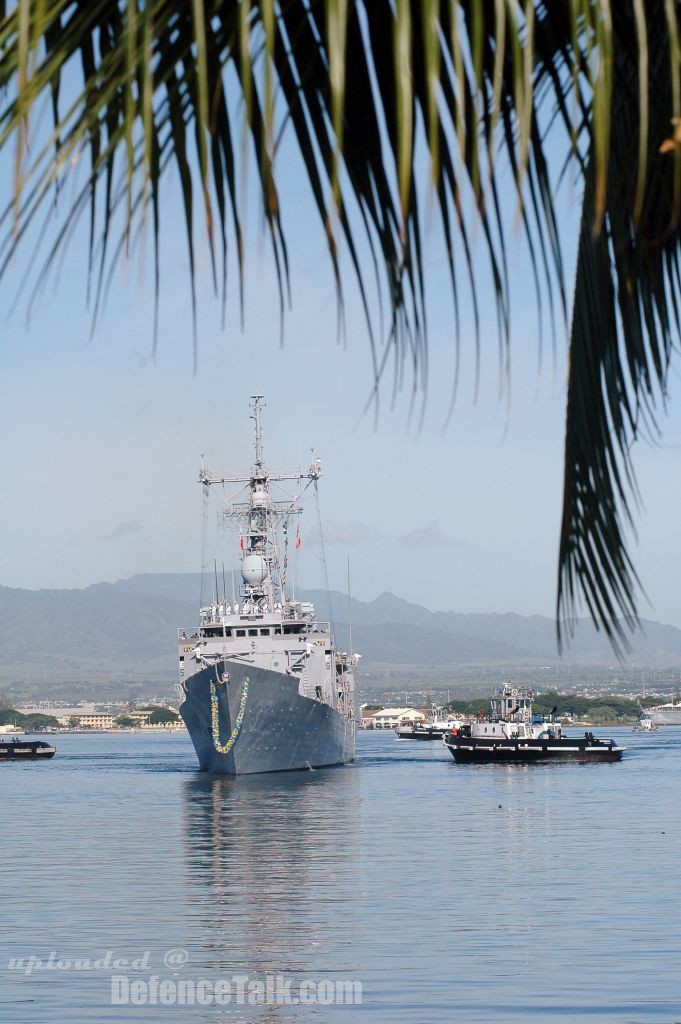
(420, 731)
(511, 733)
(434, 729)
(25, 750)
(645, 725)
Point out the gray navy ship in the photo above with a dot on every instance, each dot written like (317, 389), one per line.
(264, 688)
(663, 714)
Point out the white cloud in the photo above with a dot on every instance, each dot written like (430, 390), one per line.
(350, 533)
(429, 536)
(123, 529)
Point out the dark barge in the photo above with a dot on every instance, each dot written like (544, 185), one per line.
(25, 750)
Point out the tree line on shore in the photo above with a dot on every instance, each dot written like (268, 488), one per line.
(608, 708)
(33, 721)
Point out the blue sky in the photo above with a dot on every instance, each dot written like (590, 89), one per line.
(101, 444)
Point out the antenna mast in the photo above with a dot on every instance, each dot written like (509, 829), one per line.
(349, 609)
(258, 406)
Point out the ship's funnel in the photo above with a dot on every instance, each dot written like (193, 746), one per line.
(254, 570)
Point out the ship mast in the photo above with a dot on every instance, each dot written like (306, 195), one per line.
(258, 405)
(260, 519)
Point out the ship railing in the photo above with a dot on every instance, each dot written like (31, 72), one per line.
(189, 633)
(192, 634)
(286, 613)
(240, 508)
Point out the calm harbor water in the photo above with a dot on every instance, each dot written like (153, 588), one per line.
(466, 893)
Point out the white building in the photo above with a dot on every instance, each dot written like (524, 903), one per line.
(85, 719)
(391, 718)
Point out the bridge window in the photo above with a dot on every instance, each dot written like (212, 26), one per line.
(252, 632)
(241, 632)
(264, 632)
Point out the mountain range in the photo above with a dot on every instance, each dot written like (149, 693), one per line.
(127, 631)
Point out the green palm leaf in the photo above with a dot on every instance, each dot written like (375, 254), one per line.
(196, 84)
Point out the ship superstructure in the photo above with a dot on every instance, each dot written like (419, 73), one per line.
(264, 687)
(663, 714)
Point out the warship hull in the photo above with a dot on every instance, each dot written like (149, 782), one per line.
(280, 729)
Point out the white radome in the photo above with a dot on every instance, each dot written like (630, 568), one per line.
(253, 570)
(261, 499)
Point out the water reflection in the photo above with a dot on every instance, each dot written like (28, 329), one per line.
(264, 858)
(485, 894)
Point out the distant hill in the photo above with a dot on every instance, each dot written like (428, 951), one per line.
(503, 636)
(101, 631)
(127, 630)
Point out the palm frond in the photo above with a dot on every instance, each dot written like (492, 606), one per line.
(624, 321)
(365, 87)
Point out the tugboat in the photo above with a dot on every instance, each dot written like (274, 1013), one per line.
(25, 750)
(511, 733)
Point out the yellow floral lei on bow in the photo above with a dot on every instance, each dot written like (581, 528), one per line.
(224, 748)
